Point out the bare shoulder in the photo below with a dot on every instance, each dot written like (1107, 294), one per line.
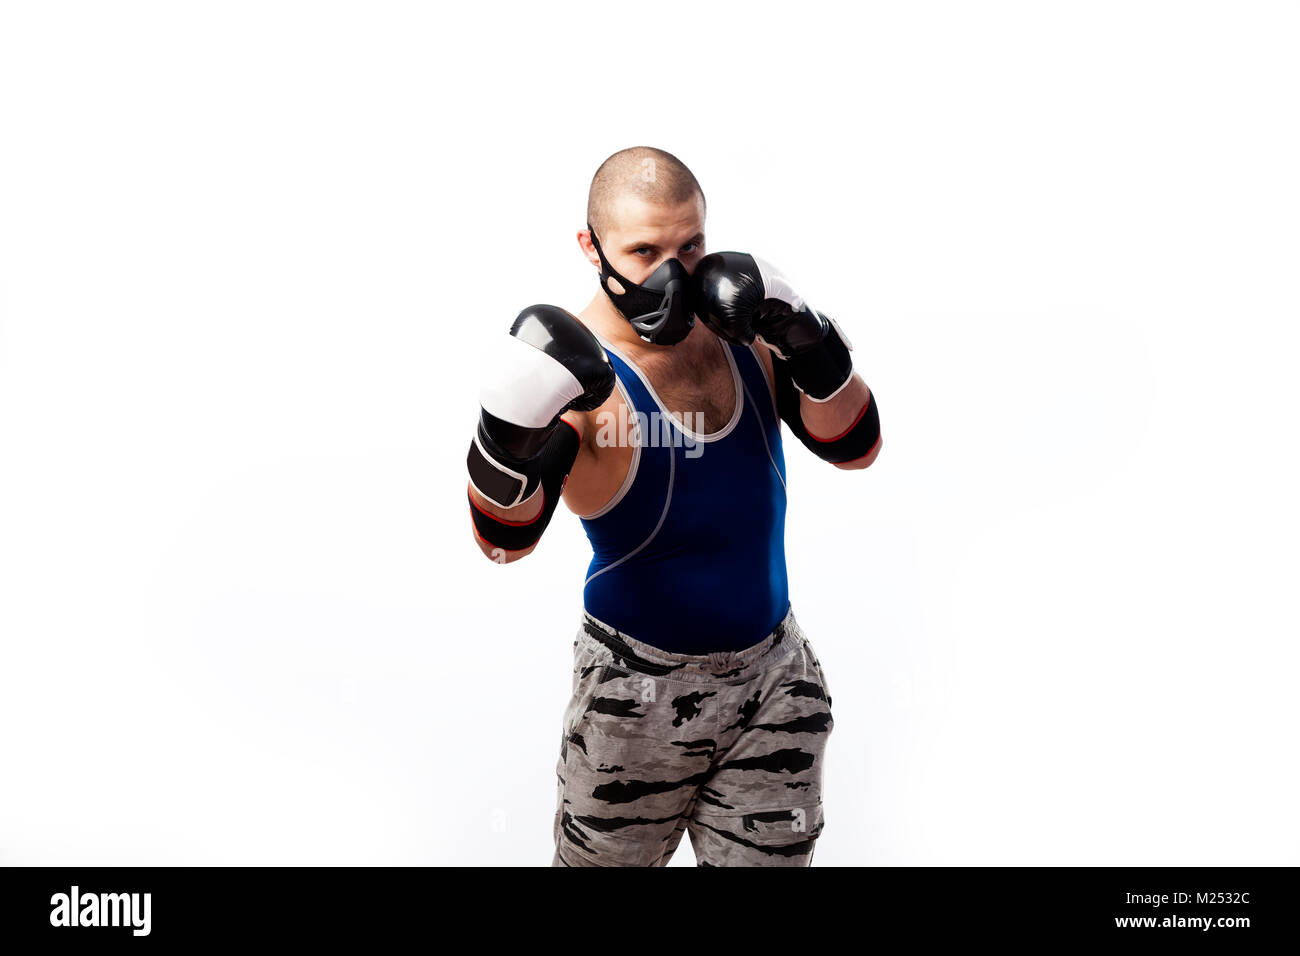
(604, 456)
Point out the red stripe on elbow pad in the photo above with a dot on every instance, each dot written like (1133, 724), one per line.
(518, 524)
(865, 406)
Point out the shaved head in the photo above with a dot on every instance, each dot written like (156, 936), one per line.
(644, 172)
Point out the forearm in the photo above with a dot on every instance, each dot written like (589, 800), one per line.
(508, 533)
(523, 513)
(834, 420)
(548, 366)
(830, 418)
(843, 430)
(840, 422)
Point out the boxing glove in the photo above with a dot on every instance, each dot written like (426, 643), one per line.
(549, 363)
(741, 297)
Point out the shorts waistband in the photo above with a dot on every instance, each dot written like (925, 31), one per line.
(728, 667)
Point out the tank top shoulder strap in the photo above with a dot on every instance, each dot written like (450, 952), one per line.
(754, 377)
(634, 390)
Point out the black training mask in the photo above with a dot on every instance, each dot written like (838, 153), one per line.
(661, 309)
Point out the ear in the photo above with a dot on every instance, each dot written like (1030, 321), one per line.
(588, 249)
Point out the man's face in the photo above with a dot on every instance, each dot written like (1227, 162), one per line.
(643, 235)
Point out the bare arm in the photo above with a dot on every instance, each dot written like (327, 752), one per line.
(541, 375)
(828, 420)
(528, 510)
(825, 421)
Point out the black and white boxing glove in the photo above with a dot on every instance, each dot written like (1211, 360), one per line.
(741, 297)
(549, 363)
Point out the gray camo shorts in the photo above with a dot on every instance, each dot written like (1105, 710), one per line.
(729, 746)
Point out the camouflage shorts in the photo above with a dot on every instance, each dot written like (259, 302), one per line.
(729, 746)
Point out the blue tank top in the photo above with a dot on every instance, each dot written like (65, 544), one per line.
(689, 556)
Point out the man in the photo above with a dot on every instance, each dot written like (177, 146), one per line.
(698, 703)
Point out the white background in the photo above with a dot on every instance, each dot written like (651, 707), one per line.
(249, 253)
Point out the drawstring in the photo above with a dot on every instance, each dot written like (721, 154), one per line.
(720, 659)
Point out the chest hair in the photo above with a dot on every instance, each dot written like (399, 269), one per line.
(699, 382)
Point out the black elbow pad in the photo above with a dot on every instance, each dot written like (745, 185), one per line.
(853, 443)
(557, 458)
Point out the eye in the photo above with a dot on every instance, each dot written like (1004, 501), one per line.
(641, 250)
(690, 247)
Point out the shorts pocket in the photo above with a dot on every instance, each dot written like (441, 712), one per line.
(772, 826)
(782, 825)
(588, 671)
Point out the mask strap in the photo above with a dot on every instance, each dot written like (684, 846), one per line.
(608, 272)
